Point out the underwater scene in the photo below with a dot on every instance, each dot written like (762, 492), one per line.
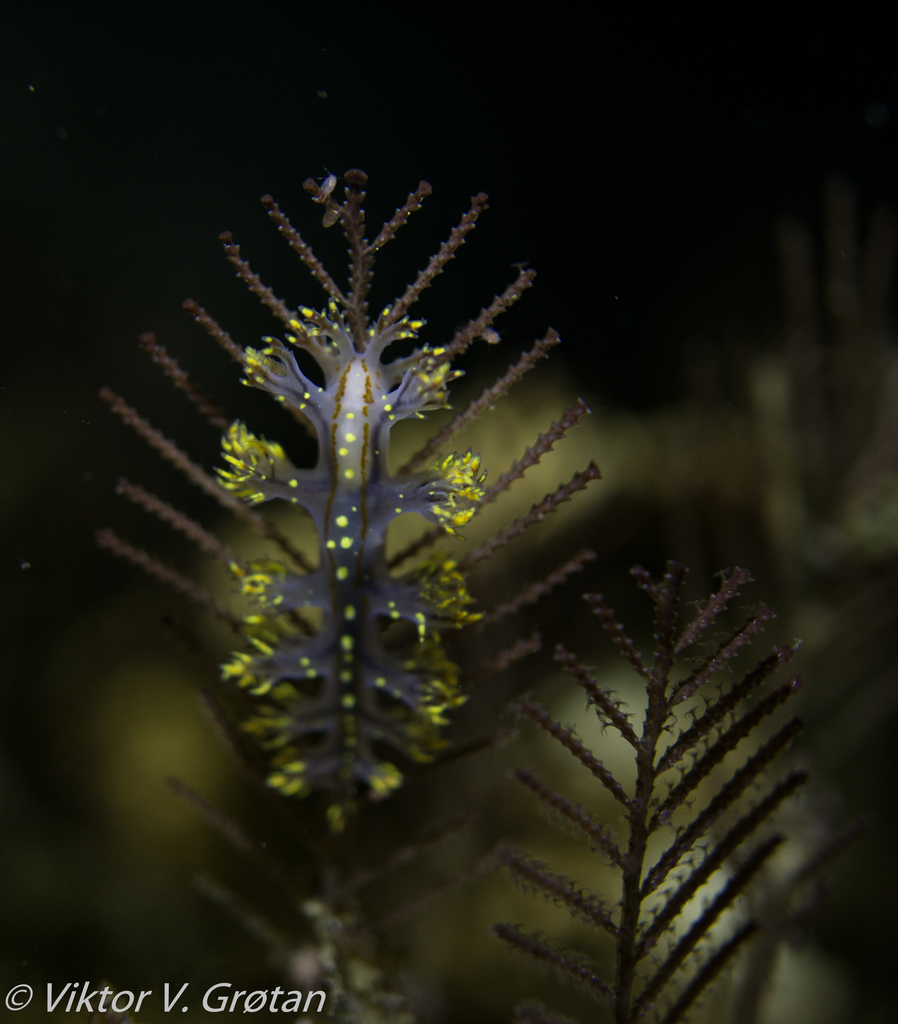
(460, 587)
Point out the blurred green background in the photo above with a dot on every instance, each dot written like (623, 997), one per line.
(706, 204)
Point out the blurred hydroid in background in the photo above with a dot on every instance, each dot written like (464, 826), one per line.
(707, 208)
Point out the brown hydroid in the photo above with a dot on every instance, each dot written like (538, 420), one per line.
(661, 966)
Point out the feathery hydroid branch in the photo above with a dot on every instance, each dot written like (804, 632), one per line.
(690, 961)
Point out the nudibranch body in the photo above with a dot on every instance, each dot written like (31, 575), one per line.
(342, 685)
(346, 660)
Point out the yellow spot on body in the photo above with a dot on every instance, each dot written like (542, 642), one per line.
(380, 681)
(349, 473)
(350, 415)
(348, 700)
(342, 573)
(345, 542)
(388, 407)
(346, 676)
(341, 521)
(350, 438)
(331, 544)
(342, 451)
(347, 642)
(349, 612)
(398, 510)
(292, 483)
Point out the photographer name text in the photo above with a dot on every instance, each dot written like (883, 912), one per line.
(75, 997)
